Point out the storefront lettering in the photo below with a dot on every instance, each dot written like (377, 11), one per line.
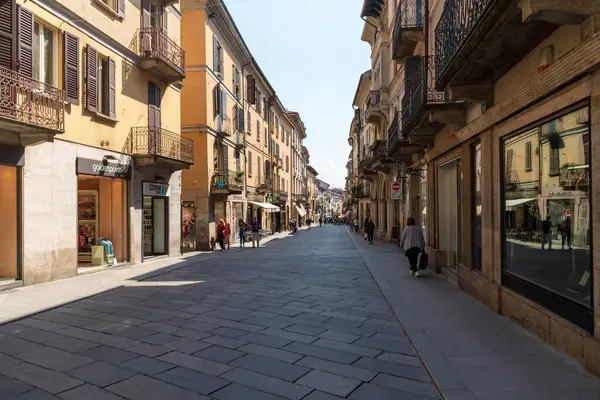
(88, 166)
(155, 189)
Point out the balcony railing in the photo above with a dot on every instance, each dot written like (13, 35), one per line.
(30, 102)
(458, 20)
(283, 195)
(159, 142)
(380, 151)
(227, 180)
(420, 92)
(154, 43)
(409, 15)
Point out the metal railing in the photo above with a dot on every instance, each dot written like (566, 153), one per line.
(28, 101)
(380, 151)
(409, 15)
(150, 141)
(365, 163)
(283, 195)
(395, 136)
(227, 179)
(458, 20)
(420, 92)
(155, 43)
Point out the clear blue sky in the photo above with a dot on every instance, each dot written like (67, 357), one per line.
(311, 52)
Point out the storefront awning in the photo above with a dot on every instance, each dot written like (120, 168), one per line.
(516, 202)
(268, 207)
(301, 211)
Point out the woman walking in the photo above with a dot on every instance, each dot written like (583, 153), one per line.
(221, 228)
(413, 243)
(242, 227)
(370, 230)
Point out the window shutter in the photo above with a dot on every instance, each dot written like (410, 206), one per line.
(216, 101)
(121, 8)
(250, 163)
(249, 123)
(165, 18)
(112, 89)
(92, 80)
(241, 125)
(223, 103)
(25, 66)
(222, 64)
(257, 130)
(8, 24)
(258, 169)
(71, 68)
(251, 89)
(225, 160)
(215, 55)
(234, 78)
(146, 14)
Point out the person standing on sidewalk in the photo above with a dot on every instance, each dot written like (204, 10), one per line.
(413, 243)
(221, 234)
(370, 229)
(547, 233)
(356, 226)
(255, 228)
(242, 226)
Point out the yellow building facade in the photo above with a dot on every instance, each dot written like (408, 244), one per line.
(90, 135)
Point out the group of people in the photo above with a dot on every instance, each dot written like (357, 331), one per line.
(564, 229)
(224, 233)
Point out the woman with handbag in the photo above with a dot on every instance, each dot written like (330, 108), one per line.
(413, 243)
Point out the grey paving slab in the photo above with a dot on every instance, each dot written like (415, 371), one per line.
(401, 359)
(349, 371)
(240, 392)
(192, 380)
(265, 340)
(230, 343)
(41, 324)
(406, 385)
(10, 387)
(50, 381)
(318, 395)
(349, 348)
(55, 359)
(29, 333)
(305, 329)
(368, 391)
(228, 332)
(277, 354)
(296, 337)
(402, 370)
(72, 344)
(267, 384)
(219, 354)
(88, 392)
(195, 363)
(339, 336)
(191, 334)
(7, 361)
(147, 366)
(270, 367)
(321, 352)
(13, 345)
(141, 387)
(393, 347)
(268, 322)
(101, 374)
(35, 394)
(185, 345)
(149, 350)
(330, 383)
(159, 338)
(109, 354)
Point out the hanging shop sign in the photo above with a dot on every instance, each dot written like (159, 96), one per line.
(155, 189)
(103, 167)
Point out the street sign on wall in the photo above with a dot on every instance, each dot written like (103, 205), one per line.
(396, 191)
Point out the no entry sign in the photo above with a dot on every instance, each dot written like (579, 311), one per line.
(396, 193)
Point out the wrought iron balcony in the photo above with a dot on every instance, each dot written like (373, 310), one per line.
(160, 55)
(359, 192)
(240, 140)
(227, 182)
(283, 195)
(376, 106)
(421, 97)
(381, 160)
(478, 41)
(30, 107)
(149, 145)
(408, 28)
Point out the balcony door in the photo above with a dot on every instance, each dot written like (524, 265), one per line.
(154, 118)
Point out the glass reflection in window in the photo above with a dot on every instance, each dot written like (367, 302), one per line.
(546, 207)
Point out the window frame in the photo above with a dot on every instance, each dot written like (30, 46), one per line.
(39, 54)
(565, 307)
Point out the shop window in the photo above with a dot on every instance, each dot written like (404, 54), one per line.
(546, 216)
(8, 216)
(528, 156)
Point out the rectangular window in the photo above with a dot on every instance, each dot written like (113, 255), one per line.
(237, 83)
(258, 100)
(102, 84)
(249, 116)
(44, 54)
(266, 137)
(249, 163)
(258, 165)
(528, 156)
(218, 58)
(258, 131)
(546, 219)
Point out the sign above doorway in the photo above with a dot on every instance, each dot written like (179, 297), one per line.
(87, 166)
(155, 189)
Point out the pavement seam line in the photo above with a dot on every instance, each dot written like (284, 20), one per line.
(433, 380)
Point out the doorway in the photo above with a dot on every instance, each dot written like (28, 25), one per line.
(155, 223)
(449, 232)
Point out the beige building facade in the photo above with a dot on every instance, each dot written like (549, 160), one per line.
(487, 110)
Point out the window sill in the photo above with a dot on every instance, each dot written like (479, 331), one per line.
(104, 117)
(112, 13)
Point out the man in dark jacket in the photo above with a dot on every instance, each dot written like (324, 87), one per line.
(370, 230)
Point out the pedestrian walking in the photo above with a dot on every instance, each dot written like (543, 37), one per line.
(242, 227)
(308, 222)
(365, 223)
(547, 233)
(356, 226)
(413, 243)
(255, 228)
(370, 230)
(221, 234)
(320, 221)
(227, 235)
(565, 233)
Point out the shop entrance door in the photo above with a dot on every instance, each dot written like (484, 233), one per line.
(449, 232)
(155, 226)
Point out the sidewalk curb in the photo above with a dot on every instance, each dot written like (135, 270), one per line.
(458, 393)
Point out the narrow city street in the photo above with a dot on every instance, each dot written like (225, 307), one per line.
(309, 316)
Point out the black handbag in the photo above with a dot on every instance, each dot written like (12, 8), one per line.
(423, 259)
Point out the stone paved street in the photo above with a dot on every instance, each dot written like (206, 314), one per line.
(299, 318)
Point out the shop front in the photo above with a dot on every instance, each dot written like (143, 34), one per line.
(11, 163)
(102, 187)
(155, 220)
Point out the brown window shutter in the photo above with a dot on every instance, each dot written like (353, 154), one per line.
(251, 89)
(71, 68)
(121, 8)
(165, 18)
(8, 24)
(92, 79)
(145, 14)
(112, 88)
(25, 66)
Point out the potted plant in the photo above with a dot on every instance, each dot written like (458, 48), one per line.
(239, 175)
